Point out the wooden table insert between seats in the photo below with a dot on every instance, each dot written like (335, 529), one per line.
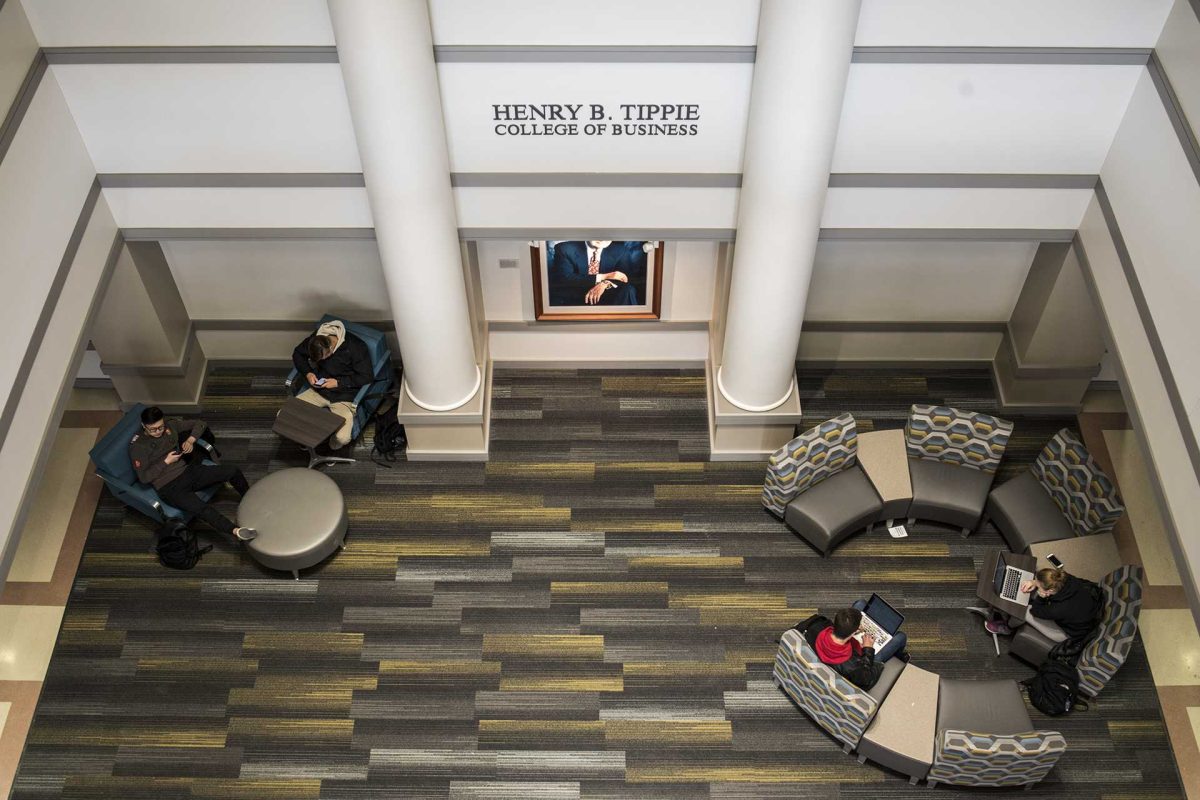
(1089, 557)
(906, 722)
(883, 457)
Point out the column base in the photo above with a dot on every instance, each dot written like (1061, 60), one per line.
(1041, 389)
(175, 388)
(460, 434)
(738, 435)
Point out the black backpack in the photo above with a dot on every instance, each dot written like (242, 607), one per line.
(390, 439)
(1054, 690)
(177, 548)
(809, 628)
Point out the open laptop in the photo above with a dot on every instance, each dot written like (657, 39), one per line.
(1007, 582)
(879, 620)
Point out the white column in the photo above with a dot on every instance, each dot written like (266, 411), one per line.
(804, 50)
(386, 53)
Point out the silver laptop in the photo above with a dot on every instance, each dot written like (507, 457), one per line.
(1008, 580)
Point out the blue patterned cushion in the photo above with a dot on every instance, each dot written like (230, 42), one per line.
(833, 702)
(963, 438)
(966, 758)
(810, 458)
(1102, 658)
(1085, 495)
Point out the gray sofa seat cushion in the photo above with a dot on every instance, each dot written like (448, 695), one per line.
(948, 493)
(887, 679)
(830, 512)
(994, 707)
(1030, 645)
(1025, 514)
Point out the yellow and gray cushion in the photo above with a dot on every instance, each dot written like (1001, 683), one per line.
(1077, 485)
(813, 456)
(968, 758)
(952, 436)
(837, 705)
(1107, 652)
(985, 736)
(1023, 512)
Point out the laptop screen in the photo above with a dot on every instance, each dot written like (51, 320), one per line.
(1001, 569)
(884, 615)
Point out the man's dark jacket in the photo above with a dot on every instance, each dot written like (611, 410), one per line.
(350, 366)
(861, 669)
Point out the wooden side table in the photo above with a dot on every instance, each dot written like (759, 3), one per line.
(901, 736)
(1089, 557)
(883, 457)
(308, 425)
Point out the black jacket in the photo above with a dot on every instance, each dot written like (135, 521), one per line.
(1075, 608)
(860, 669)
(350, 366)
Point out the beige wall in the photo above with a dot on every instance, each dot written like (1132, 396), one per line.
(17, 49)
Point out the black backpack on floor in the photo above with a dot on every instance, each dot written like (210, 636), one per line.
(390, 439)
(177, 548)
(1054, 690)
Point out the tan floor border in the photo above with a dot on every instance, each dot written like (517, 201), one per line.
(56, 591)
(24, 697)
(1175, 701)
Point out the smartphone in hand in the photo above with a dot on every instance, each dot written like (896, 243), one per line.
(321, 381)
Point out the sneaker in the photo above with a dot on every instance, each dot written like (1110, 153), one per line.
(997, 627)
(245, 534)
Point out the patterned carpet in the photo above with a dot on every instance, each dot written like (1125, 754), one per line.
(591, 614)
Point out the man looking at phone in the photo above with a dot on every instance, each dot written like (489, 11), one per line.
(335, 365)
(161, 457)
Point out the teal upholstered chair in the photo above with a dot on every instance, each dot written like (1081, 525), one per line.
(113, 466)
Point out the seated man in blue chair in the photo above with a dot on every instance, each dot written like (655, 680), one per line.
(160, 456)
(335, 364)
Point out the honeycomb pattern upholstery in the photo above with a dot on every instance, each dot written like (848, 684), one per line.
(837, 705)
(1081, 490)
(966, 758)
(819, 453)
(1105, 654)
(952, 436)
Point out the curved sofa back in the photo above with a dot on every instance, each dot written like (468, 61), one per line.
(819, 453)
(1080, 489)
(1105, 654)
(838, 706)
(967, 758)
(953, 436)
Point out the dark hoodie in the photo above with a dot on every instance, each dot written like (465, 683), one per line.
(851, 660)
(1075, 608)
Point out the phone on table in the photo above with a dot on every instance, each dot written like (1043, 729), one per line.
(1054, 562)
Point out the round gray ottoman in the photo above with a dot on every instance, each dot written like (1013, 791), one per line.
(300, 517)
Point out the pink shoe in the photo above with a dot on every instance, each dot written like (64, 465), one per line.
(997, 627)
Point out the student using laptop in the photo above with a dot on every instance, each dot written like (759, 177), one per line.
(837, 647)
(1061, 606)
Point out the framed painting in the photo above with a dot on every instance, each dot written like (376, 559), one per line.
(597, 280)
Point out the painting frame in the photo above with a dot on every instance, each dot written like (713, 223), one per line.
(545, 312)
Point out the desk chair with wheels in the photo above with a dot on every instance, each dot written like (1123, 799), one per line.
(366, 401)
(111, 457)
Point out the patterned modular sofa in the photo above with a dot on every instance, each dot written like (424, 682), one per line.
(984, 734)
(1064, 494)
(841, 708)
(816, 486)
(953, 456)
(1105, 654)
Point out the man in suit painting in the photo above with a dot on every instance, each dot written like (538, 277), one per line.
(599, 273)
